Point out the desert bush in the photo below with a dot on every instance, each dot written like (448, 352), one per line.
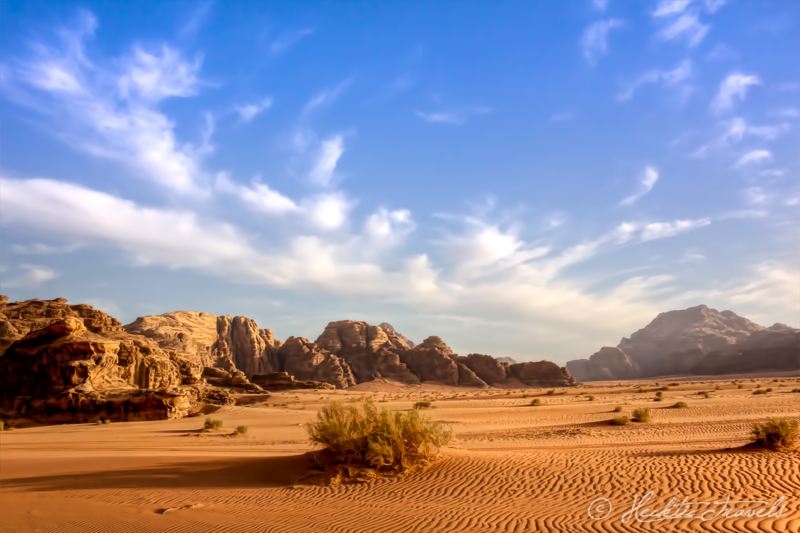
(536, 402)
(769, 389)
(704, 394)
(551, 392)
(618, 409)
(106, 421)
(621, 421)
(241, 430)
(659, 394)
(777, 432)
(642, 390)
(795, 390)
(590, 398)
(641, 415)
(681, 405)
(422, 405)
(758, 386)
(360, 434)
(674, 384)
(211, 423)
(740, 386)
(759, 391)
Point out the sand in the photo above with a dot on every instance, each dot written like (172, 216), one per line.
(512, 468)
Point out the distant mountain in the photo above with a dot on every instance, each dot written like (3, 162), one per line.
(698, 340)
(509, 360)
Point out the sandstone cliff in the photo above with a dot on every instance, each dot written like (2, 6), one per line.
(698, 340)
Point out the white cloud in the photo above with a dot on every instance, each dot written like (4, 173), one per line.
(600, 5)
(259, 197)
(686, 27)
(248, 112)
(667, 8)
(680, 19)
(661, 230)
(327, 157)
(754, 156)
(111, 113)
(788, 112)
(37, 248)
(325, 97)
(722, 52)
(327, 211)
(32, 276)
(288, 39)
(457, 118)
(670, 78)
(692, 256)
(385, 225)
(594, 40)
(647, 181)
(734, 87)
(755, 195)
(736, 129)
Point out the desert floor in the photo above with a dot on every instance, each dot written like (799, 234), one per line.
(513, 467)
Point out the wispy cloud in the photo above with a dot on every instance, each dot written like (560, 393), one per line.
(325, 97)
(111, 113)
(647, 181)
(248, 112)
(754, 156)
(736, 129)
(288, 39)
(32, 276)
(661, 230)
(257, 196)
(732, 89)
(680, 20)
(327, 157)
(38, 248)
(670, 78)
(456, 118)
(562, 117)
(594, 40)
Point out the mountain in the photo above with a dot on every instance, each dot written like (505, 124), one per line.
(698, 340)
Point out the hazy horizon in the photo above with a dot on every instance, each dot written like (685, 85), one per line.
(533, 181)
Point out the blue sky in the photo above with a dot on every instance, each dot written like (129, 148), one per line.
(525, 179)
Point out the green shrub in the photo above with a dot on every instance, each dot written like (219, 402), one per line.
(621, 421)
(659, 394)
(641, 415)
(106, 420)
(551, 392)
(704, 394)
(759, 391)
(618, 409)
(360, 434)
(681, 405)
(241, 430)
(211, 423)
(536, 402)
(777, 432)
(422, 405)
(642, 390)
(590, 398)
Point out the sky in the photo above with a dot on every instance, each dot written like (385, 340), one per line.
(524, 179)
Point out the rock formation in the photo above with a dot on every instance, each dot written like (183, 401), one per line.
(306, 361)
(487, 368)
(389, 329)
(542, 374)
(698, 340)
(277, 381)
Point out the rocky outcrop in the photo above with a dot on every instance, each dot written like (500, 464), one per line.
(306, 361)
(64, 372)
(432, 360)
(487, 368)
(468, 378)
(542, 374)
(235, 380)
(215, 341)
(278, 381)
(389, 329)
(370, 351)
(698, 340)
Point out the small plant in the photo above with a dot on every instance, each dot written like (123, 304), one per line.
(657, 383)
(106, 421)
(795, 390)
(590, 398)
(759, 391)
(716, 388)
(536, 402)
(508, 393)
(212, 423)
(551, 392)
(758, 386)
(777, 432)
(642, 390)
(659, 394)
(704, 394)
(740, 386)
(618, 409)
(681, 405)
(425, 404)
(241, 430)
(641, 415)
(674, 384)
(621, 421)
(769, 389)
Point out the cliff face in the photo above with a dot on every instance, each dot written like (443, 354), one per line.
(698, 340)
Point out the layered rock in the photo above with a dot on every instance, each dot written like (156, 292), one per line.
(306, 361)
(698, 340)
(389, 329)
(371, 351)
(433, 360)
(214, 341)
(65, 373)
(487, 368)
(542, 374)
(277, 381)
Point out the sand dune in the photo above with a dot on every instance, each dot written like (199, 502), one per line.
(513, 467)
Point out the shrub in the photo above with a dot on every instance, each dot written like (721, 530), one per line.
(777, 432)
(536, 402)
(758, 386)
(422, 405)
(551, 392)
(674, 384)
(704, 394)
(740, 386)
(618, 409)
(590, 398)
(211, 423)
(360, 434)
(659, 394)
(621, 421)
(641, 415)
(716, 388)
(769, 390)
(681, 405)
(759, 391)
(241, 430)
(795, 390)
(107, 421)
(642, 390)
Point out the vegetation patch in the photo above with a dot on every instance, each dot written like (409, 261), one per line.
(212, 423)
(641, 415)
(681, 405)
(777, 433)
(242, 430)
(422, 405)
(621, 421)
(536, 402)
(618, 409)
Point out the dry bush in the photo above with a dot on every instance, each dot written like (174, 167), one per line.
(621, 421)
(212, 423)
(422, 405)
(590, 398)
(618, 409)
(536, 402)
(359, 434)
(551, 392)
(241, 430)
(777, 432)
(759, 391)
(641, 415)
(680, 405)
